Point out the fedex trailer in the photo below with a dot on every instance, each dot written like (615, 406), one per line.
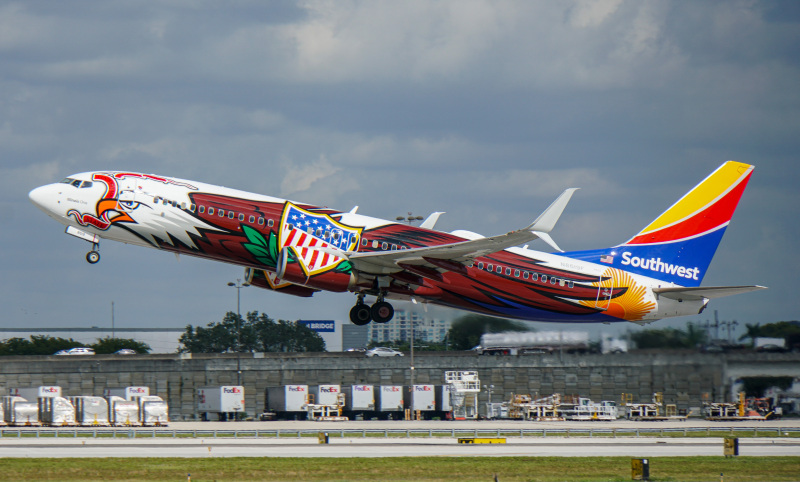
(326, 394)
(288, 401)
(444, 400)
(389, 400)
(90, 411)
(421, 398)
(360, 400)
(221, 401)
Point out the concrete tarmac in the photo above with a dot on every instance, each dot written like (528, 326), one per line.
(356, 446)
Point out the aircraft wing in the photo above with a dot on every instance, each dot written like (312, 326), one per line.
(455, 256)
(708, 292)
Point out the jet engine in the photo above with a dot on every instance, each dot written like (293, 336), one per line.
(290, 267)
(266, 280)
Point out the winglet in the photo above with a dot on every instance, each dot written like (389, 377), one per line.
(430, 221)
(547, 220)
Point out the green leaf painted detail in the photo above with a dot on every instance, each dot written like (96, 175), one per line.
(265, 252)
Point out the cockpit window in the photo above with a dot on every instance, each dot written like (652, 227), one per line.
(76, 183)
(67, 180)
(86, 184)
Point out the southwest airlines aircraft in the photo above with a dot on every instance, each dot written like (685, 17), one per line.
(300, 249)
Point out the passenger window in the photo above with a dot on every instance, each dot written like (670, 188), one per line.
(544, 278)
(290, 226)
(394, 247)
(192, 207)
(480, 265)
(364, 242)
(270, 222)
(261, 222)
(571, 284)
(516, 273)
(201, 209)
(210, 211)
(525, 274)
(499, 270)
(561, 282)
(490, 267)
(552, 281)
(221, 213)
(183, 206)
(231, 214)
(375, 244)
(384, 246)
(251, 219)
(241, 217)
(327, 234)
(534, 276)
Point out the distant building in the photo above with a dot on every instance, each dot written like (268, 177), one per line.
(426, 329)
(354, 336)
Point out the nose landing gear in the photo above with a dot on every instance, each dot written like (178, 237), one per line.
(93, 256)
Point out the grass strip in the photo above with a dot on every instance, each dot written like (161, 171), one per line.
(399, 469)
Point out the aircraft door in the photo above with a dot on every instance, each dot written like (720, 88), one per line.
(605, 290)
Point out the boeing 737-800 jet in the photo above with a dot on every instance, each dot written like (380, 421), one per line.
(300, 249)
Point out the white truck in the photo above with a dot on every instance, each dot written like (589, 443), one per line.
(288, 401)
(223, 402)
(533, 342)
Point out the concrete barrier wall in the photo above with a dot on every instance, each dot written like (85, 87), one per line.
(683, 378)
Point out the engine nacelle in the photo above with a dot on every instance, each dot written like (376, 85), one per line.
(292, 266)
(268, 281)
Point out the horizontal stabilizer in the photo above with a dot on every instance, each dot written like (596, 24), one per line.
(708, 292)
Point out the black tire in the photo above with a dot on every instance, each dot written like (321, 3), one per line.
(92, 257)
(360, 314)
(382, 312)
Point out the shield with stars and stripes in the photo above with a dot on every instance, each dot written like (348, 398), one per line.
(311, 233)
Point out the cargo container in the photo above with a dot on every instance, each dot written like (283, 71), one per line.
(32, 394)
(360, 398)
(223, 402)
(389, 398)
(122, 412)
(422, 398)
(287, 401)
(326, 394)
(20, 412)
(153, 410)
(90, 411)
(56, 412)
(2, 415)
(128, 393)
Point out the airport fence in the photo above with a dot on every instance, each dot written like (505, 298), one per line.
(92, 432)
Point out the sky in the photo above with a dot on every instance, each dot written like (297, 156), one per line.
(486, 110)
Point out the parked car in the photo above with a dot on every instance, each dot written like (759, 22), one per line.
(383, 351)
(81, 350)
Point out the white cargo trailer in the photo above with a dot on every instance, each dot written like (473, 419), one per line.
(326, 394)
(90, 411)
(153, 410)
(2, 415)
(422, 398)
(389, 398)
(32, 394)
(361, 398)
(56, 411)
(220, 401)
(287, 399)
(128, 393)
(444, 401)
(122, 412)
(20, 412)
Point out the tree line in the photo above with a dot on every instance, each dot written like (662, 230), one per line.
(49, 345)
(255, 332)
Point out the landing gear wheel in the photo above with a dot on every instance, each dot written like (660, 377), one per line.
(382, 312)
(92, 257)
(360, 314)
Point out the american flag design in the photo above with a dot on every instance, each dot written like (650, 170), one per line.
(607, 258)
(306, 232)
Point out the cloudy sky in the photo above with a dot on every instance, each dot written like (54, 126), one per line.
(483, 109)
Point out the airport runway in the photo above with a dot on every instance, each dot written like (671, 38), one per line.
(403, 447)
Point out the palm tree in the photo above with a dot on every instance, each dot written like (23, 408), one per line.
(751, 331)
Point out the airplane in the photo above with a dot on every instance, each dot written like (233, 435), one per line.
(300, 249)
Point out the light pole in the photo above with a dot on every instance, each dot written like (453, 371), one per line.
(238, 285)
(411, 219)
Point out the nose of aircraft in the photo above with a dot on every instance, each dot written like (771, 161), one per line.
(42, 197)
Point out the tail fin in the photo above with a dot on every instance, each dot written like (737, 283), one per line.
(677, 246)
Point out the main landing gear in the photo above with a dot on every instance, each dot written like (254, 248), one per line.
(93, 256)
(380, 312)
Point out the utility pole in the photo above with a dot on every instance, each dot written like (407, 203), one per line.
(238, 285)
